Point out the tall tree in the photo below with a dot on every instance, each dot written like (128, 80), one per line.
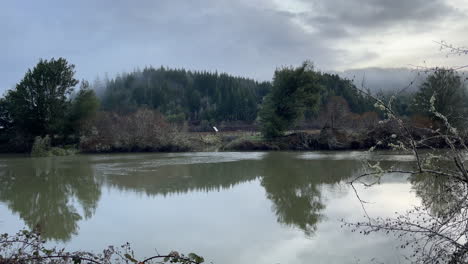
(83, 107)
(294, 90)
(448, 95)
(39, 101)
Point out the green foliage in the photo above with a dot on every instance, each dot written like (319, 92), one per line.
(41, 147)
(449, 92)
(5, 117)
(401, 104)
(176, 118)
(83, 107)
(187, 95)
(336, 86)
(39, 101)
(194, 257)
(41, 105)
(5, 123)
(294, 90)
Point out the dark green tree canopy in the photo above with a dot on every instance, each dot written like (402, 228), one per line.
(83, 107)
(186, 95)
(336, 86)
(39, 101)
(43, 102)
(196, 96)
(448, 92)
(294, 90)
(5, 117)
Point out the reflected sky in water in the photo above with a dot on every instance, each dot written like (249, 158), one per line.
(240, 207)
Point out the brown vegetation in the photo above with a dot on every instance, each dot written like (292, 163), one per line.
(337, 114)
(143, 130)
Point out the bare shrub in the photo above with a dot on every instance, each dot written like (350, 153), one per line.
(437, 230)
(29, 247)
(143, 130)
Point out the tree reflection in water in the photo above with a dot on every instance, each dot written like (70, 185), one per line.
(294, 186)
(45, 193)
(438, 195)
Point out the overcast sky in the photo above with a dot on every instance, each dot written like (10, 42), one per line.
(242, 37)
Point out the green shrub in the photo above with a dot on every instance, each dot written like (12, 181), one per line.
(41, 147)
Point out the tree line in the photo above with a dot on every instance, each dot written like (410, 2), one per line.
(46, 102)
(199, 95)
(183, 95)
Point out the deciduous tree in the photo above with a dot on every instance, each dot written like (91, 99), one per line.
(38, 103)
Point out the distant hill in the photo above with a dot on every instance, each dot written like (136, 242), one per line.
(385, 79)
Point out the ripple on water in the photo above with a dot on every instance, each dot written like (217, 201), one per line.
(357, 155)
(126, 164)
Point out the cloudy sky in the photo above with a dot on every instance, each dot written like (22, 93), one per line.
(242, 37)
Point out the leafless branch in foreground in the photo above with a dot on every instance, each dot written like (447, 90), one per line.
(29, 247)
(436, 231)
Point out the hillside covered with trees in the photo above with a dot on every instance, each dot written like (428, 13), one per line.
(212, 97)
(151, 109)
(185, 95)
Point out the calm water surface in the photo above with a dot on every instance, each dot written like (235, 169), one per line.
(253, 207)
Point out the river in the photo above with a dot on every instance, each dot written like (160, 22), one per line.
(229, 207)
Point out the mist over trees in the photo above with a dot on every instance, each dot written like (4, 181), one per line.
(435, 230)
(45, 102)
(185, 95)
(201, 97)
(385, 80)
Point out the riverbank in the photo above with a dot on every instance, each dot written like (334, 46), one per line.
(380, 137)
(384, 136)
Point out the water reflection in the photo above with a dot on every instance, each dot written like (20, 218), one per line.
(291, 182)
(47, 193)
(56, 193)
(294, 187)
(183, 178)
(437, 194)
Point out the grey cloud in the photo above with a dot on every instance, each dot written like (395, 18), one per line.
(113, 36)
(341, 18)
(243, 37)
